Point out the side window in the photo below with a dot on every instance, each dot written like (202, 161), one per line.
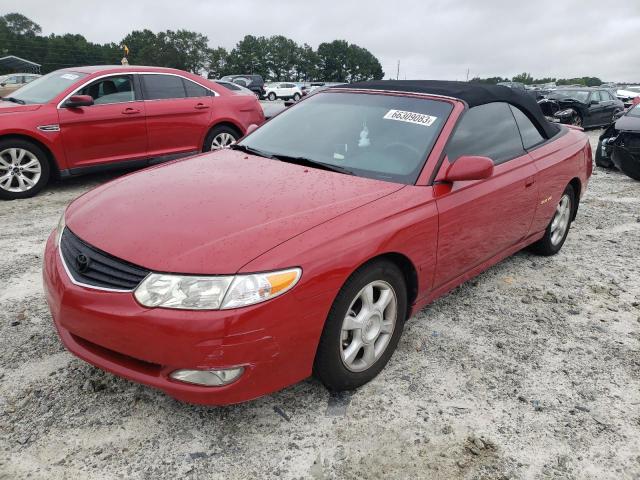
(489, 131)
(595, 96)
(161, 87)
(13, 80)
(116, 89)
(605, 95)
(528, 131)
(194, 90)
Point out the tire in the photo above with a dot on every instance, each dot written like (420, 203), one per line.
(341, 364)
(296, 97)
(24, 169)
(576, 119)
(271, 96)
(219, 137)
(553, 238)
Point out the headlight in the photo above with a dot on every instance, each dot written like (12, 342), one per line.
(564, 113)
(214, 293)
(59, 229)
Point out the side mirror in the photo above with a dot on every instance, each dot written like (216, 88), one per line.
(468, 168)
(76, 101)
(3, 84)
(251, 128)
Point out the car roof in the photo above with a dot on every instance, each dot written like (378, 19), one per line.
(472, 93)
(91, 69)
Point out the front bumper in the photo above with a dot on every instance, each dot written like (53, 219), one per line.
(275, 341)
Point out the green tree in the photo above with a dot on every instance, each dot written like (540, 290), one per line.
(217, 64)
(18, 24)
(249, 56)
(525, 78)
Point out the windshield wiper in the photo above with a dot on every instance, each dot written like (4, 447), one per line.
(312, 163)
(252, 151)
(14, 100)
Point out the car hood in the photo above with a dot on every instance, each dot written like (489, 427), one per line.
(213, 213)
(628, 124)
(10, 107)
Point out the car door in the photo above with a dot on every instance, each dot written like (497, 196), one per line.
(481, 219)
(113, 129)
(178, 113)
(608, 105)
(596, 109)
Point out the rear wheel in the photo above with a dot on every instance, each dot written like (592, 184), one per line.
(220, 137)
(24, 169)
(558, 229)
(271, 96)
(363, 327)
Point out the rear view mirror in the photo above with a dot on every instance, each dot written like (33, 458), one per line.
(468, 168)
(76, 101)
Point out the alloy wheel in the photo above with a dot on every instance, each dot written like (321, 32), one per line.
(561, 220)
(222, 140)
(20, 170)
(368, 326)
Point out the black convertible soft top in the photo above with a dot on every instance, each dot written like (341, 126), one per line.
(473, 94)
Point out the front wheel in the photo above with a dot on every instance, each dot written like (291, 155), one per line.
(558, 229)
(363, 327)
(271, 96)
(296, 97)
(576, 119)
(24, 169)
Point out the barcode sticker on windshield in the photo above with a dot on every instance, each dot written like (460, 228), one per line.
(411, 117)
(69, 76)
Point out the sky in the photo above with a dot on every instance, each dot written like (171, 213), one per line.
(432, 39)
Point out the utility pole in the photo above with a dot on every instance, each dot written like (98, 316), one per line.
(398, 71)
(467, 74)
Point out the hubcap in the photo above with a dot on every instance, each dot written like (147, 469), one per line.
(561, 219)
(368, 326)
(222, 140)
(20, 170)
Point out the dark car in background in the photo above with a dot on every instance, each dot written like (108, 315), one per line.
(582, 107)
(619, 145)
(255, 83)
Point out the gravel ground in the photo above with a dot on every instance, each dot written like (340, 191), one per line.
(532, 370)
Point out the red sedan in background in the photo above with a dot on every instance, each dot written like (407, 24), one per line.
(312, 240)
(85, 119)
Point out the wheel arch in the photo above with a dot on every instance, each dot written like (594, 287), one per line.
(53, 164)
(408, 270)
(224, 123)
(577, 189)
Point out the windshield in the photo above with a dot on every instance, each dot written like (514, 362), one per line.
(45, 89)
(634, 111)
(580, 95)
(370, 135)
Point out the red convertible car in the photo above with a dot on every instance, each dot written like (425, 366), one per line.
(85, 119)
(312, 241)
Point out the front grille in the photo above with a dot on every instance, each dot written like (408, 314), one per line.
(90, 266)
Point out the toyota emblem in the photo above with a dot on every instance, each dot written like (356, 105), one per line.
(82, 263)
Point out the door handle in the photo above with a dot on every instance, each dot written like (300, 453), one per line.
(529, 182)
(201, 106)
(130, 111)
